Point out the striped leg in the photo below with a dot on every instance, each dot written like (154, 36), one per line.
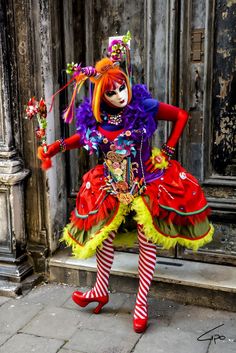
(104, 258)
(146, 267)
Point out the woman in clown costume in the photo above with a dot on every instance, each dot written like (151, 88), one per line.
(168, 203)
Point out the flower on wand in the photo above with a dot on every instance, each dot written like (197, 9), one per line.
(39, 110)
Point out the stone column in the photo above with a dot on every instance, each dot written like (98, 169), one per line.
(13, 259)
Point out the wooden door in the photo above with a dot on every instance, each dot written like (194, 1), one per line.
(151, 59)
(183, 50)
(207, 82)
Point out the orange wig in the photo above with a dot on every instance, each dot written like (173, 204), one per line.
(109, 75)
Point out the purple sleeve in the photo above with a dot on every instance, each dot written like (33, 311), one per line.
(151, 105)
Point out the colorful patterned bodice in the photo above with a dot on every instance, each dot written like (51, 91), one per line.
(124, 165)
(124, 157)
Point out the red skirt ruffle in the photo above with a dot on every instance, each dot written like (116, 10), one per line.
(92, 204)
(176, 198)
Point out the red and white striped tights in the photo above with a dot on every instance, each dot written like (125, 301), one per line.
(105, 257)
(146, 266)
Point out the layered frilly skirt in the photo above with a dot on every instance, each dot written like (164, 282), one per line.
(172, 210)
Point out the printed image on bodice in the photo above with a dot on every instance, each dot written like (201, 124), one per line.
(124, 165)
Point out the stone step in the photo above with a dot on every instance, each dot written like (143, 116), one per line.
(189, 282)
(15, 289)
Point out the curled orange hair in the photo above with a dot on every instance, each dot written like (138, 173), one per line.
(109, 75)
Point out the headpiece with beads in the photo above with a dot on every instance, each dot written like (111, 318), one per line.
(118, 51)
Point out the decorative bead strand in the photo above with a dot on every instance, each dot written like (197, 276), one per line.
(168, 150)
(62, 145)
(115, 119)
(141, 164)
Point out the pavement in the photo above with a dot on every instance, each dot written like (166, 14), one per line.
(45, 320)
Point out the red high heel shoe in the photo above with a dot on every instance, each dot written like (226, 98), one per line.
(82, 301)
(139, 324)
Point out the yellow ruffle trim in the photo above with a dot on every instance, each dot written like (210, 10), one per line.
(157, 154)
(144, 217)
(89, 249)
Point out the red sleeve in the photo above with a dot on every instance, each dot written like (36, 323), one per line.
(179, 118)
(72, 142)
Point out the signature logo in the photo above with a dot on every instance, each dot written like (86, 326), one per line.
(214, 337)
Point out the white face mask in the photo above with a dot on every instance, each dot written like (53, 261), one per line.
(118, 97)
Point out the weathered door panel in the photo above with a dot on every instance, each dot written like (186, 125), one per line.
(208, 145)
(184, 51)
(152, 25)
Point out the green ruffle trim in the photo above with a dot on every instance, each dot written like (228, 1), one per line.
(144, 217)
(89, 249)
(125, 240)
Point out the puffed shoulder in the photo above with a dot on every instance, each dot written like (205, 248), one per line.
(151, 105)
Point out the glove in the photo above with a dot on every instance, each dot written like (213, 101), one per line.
(45, 157)
(178, 116)
(58, 146)
(52, 150)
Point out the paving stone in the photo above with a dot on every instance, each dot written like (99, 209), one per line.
(83, 313)
(69, 303)
(119, 322)
(47, 319)
(218, 317)
(3, 300)
(50, 294)
(225, 346)
(116, 323)
(115, 305)
(200, 320)
(162, 309)
(4, 337)
(15, 314)
(54, 322)
(21, 343)
(127, 307)
(86, 311)
(116, 302)
(169, 340)
(95, 341)
(63, 350)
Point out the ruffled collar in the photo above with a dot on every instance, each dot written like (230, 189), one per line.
(135, 117)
